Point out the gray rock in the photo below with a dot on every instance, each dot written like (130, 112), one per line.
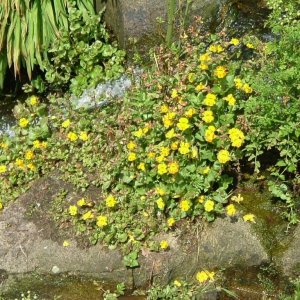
(138, 18)
(35, 244)
(32, 242)
(289, 260)
(222, 244)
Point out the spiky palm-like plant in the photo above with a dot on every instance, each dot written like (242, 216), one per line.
(27, 29)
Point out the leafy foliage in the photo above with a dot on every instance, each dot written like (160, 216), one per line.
(162, 156)
(82, 56)
(273, 113)
(28, 28)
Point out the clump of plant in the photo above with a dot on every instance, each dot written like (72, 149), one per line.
(28, 28)
(166, 154)
(273, 112)
(206, 284)
(83, 55)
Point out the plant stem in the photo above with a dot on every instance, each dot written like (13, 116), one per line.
(171, 17)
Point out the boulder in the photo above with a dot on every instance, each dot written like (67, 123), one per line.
(289, 259)
(223, 244)
(32, 241)
(138, 18)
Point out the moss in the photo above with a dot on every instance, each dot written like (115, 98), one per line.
(58, 287)
(270, 225)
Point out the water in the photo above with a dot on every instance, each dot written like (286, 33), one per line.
(102, 93)
(50, 287)
(99, 96)
(7, 120)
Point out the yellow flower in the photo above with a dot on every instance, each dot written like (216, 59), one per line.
(184, 148)
(138, 133)
(131, 145)
(4, 145)
(102, 221)
(73, 210)
(141, 167)
(160, 203)
(131, 156)
(88, 215)
(191, 77)
(174, 145)
(230, 99)
(220, 72)
(205, 275)
(194, 153)
(208, 116)
(171, 115)
(173, 167)
(231, 210)
(170, 134)
(146, 128)
(210, 99)
(206, 170)
(190, 112)
(201, 199)
(200, 87)
(81, 202)
(171, 222)
(249, 218)
(20, 163)
(164, 109)
(151, 154)
(223, 156)
(164, 244)
(36, 144)
(33, 100)
(160, 191)
(23, 122)
(1, 205)
(250, 46)
(164, 151)
(29, 155)
(216, 48)
(247, 89)
(202, 276)
(183, 124)
(210, 133)
(72, 136)
(174, 94)
(31, 167)
(167, 121)
(160, 158)
(110, 201)
(237, 137)
(209, 205)
(83, 136)
(237, 198)
(203, 67)
(177, 283)
(66, 123)
(238, 83)
(3, 169)
(162, 169)
(205, 57)
(66, 244)
(185, 205)
(234, 41)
